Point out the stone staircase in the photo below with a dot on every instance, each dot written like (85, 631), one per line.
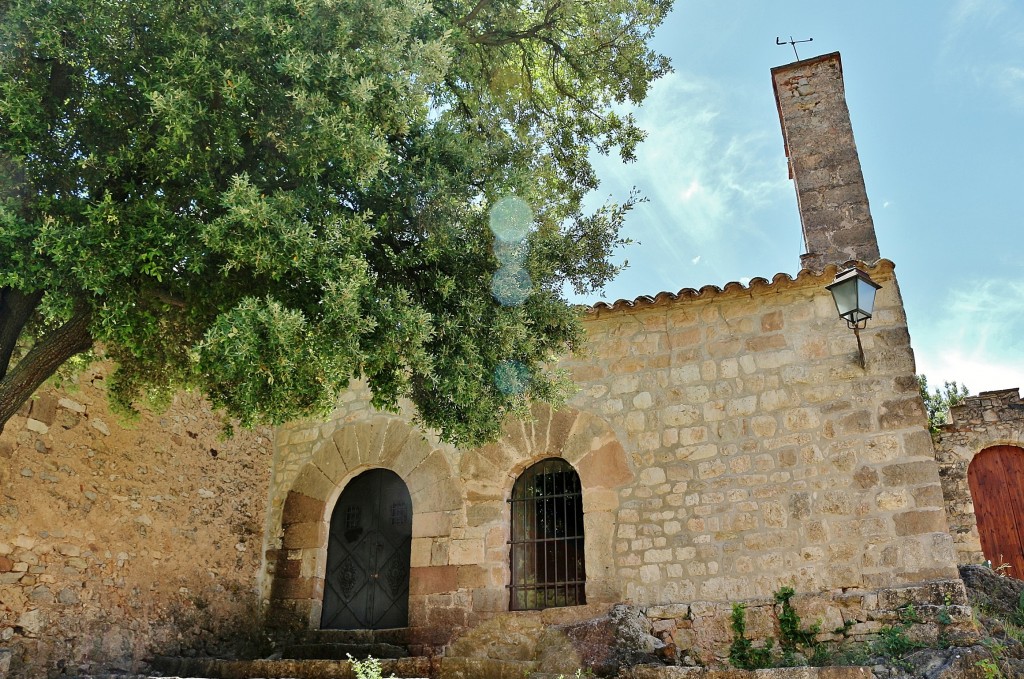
(317, 654)
(463, 668)
(324, 654)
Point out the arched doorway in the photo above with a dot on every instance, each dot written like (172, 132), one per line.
(996, 478)
(366, 583)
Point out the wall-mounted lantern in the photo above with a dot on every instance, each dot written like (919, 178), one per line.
(854, 295)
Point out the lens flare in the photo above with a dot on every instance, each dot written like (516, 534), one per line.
(511, 377)
(511, 285)
(511, 219)
(511, 254)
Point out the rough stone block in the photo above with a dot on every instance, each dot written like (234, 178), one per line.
(297, 588)
(44, 408)
(605, 467)
(433, 580)
(920, 521)
(490, 600)
(431, 524)
(900, 413)
(300, 508)
(467, 551)
(311, 482)
(910, 474)
(312, 535)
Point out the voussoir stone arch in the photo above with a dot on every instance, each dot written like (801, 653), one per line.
(583, 440)
(378, 442)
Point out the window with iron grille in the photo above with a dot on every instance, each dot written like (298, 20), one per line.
(546, 552)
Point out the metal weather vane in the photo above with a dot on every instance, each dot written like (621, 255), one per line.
(793, 43)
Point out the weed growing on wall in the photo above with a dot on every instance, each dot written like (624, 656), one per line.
(798, 645)
(742, 652)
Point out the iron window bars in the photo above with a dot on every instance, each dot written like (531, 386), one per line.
(546, 550)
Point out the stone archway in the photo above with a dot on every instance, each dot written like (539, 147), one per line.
(383, 442)
(587, 443)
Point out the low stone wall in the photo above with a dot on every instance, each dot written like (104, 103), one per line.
(607, 638)
(119, 540)
(991, 418)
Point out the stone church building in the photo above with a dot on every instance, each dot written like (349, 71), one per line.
(723, 443)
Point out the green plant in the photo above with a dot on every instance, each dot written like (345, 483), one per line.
(908, 615)
(366, 669)
(989, 669)
(995, 648)
(1017, 617)
(1014, 631)
(852, 654)
(580, 674)
(845, 627)
(893, 641)
(943, 616)
(794, 638)
(742, 652)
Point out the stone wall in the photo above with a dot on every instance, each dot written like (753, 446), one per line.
(991, 418)
(728, 441)
(120, 540)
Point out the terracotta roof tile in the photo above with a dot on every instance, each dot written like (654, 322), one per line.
(780, 281)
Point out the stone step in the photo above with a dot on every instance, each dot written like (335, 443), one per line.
(285, 669)
(341, 651)
(398, 637)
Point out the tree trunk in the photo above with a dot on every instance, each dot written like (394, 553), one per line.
(16, 307)
(42, 361)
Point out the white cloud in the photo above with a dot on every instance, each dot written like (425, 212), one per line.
(1009, 79)
(702, 172)
(980, 341)
(695, 260)
(690, 191)
(967, 11)
(997, 66)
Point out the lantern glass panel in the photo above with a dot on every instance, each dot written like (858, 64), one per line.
(865, 298)
(845, 295)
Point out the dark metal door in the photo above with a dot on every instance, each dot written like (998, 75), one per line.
(368, 550)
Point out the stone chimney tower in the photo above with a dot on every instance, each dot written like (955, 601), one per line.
(823, 162)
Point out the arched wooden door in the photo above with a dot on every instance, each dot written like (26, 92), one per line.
(996, 478)
(367, 580)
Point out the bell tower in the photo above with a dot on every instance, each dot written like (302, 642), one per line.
(823, 162)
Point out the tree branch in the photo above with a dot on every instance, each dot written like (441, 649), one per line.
(472, 13)
(168, 297)
(510, 37)
(43, 360)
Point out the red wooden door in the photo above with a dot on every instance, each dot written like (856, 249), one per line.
(996, 478)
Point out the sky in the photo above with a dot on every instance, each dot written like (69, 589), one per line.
(936, 97)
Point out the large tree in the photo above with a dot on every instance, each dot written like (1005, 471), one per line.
(262, 199)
